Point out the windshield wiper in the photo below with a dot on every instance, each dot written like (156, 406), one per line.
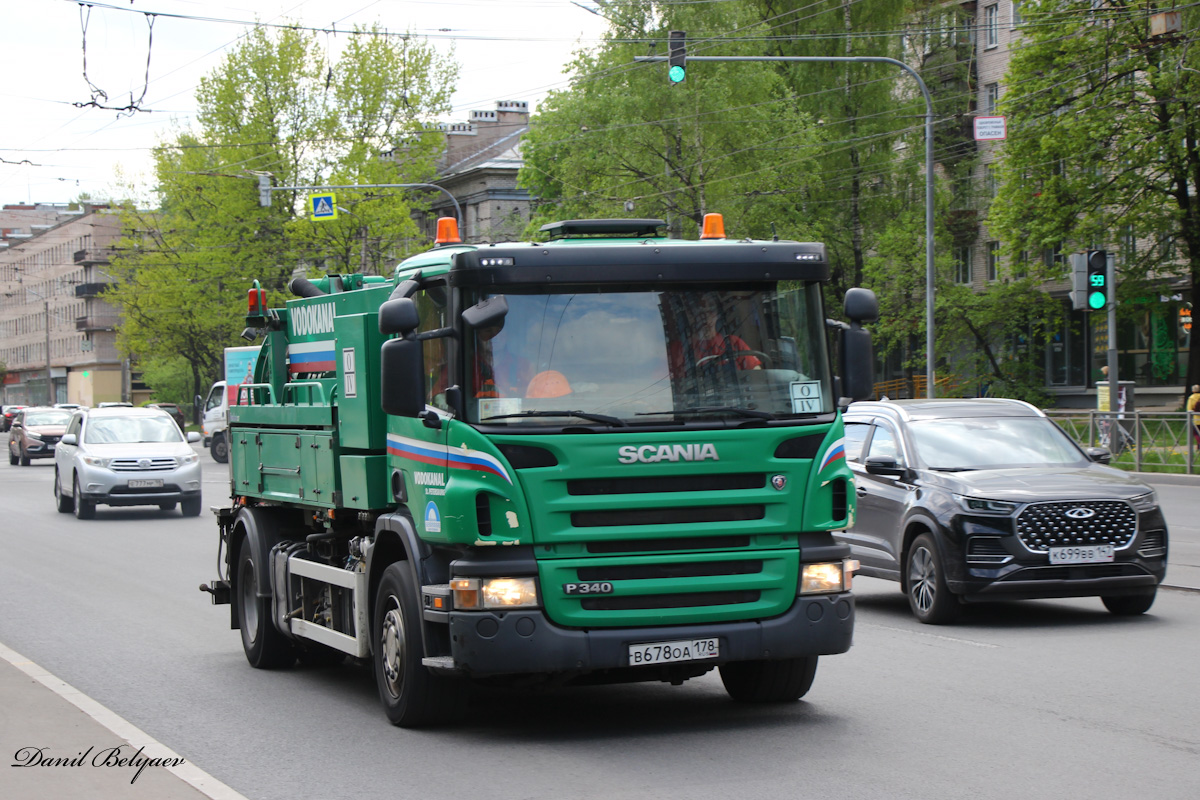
(604, 418)
(953, 469)
(743, 412)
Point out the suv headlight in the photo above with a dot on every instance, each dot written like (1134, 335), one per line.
(33, 435)
(190, 458)
(96, 461)
(979, 505)
(1144, 502)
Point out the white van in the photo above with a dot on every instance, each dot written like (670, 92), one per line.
(215, 421)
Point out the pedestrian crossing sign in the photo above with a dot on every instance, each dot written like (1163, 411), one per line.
(322, 206)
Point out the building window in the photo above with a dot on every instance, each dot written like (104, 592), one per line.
(991, 99)
(1128, 244)
(1016, 14)
(993, 260)
(991, 16)
(991, 182)
(962, 264)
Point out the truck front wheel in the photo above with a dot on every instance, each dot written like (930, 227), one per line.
(220, 449)
(412, 695)
(769, 681)
(266, 648)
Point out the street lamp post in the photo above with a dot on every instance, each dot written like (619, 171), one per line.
(49, 380)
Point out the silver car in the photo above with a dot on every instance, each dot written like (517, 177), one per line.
(124, 456)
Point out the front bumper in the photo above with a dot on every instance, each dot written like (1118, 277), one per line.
(105, 487)
(36, 449)
(515, 642)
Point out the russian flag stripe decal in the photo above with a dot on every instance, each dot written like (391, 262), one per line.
(836, 450)
(451, 457)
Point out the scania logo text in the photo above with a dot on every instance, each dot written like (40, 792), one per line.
(653, 453)
(1079, 513)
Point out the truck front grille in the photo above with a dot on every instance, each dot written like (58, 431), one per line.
(667, 516)
(1041, 526)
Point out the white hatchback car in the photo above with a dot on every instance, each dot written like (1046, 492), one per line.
(123, 456)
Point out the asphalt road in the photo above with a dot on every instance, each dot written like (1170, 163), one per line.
(1046, 699)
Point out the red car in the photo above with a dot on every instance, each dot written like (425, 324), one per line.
(9, 413)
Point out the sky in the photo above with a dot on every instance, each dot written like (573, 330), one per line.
(53, 146)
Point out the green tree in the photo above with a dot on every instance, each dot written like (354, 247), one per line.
(1104, 122)
(277, 105)
(623, 139)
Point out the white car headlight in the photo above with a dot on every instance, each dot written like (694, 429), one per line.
(190, 458)
(97, 461)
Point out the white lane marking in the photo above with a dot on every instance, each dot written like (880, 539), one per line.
(187, 772)
(929, 635)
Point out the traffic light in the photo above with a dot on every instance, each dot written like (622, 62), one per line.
(677, 56)
(1099, 288)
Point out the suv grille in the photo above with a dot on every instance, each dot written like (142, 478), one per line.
(1045, 525)
(159, 464)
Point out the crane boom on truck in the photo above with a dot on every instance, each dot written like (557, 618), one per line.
(606, 456)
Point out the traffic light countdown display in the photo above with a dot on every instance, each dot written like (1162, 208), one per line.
(677, 57)
(1099, 292)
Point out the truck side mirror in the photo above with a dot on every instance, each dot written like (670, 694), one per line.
(857, 367)
(489, 313)
(402, 375)
(398, 315)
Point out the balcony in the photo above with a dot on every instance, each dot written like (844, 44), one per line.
(91, 289)
(95, 255)
(96, 323)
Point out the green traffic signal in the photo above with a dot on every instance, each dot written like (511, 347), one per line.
(676, 74)
(1096, 300)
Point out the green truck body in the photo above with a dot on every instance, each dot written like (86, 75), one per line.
(609, 501)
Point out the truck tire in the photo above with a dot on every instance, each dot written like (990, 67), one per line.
(266, 647)
(783, 681)
(84, 509)
(412, 696)
(65, 504)
(220, 448)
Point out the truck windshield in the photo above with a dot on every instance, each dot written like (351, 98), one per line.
(649, 356)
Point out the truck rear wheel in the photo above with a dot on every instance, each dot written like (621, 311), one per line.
(412, 695)
(266, 647)
(220, 448)
(781, 681)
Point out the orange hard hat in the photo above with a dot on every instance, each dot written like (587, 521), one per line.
(549, 383)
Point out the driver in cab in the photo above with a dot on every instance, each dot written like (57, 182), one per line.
(710, 346)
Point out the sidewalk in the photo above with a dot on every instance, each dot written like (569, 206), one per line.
(58, 743)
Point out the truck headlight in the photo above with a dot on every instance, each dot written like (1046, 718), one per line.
(501, 593)
(826, 577)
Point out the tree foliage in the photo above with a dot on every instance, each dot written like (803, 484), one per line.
(277, 105)
(1103, 148)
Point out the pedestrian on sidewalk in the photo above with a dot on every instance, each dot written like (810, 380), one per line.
(1193, 405)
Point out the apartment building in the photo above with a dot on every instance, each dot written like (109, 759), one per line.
(1152, 344)
(57, 333)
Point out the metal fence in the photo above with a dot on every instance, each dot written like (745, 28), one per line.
(1144, 441)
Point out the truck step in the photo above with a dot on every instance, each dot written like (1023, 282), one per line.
(438, 662)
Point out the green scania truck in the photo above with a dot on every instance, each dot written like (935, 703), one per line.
(607, 456)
